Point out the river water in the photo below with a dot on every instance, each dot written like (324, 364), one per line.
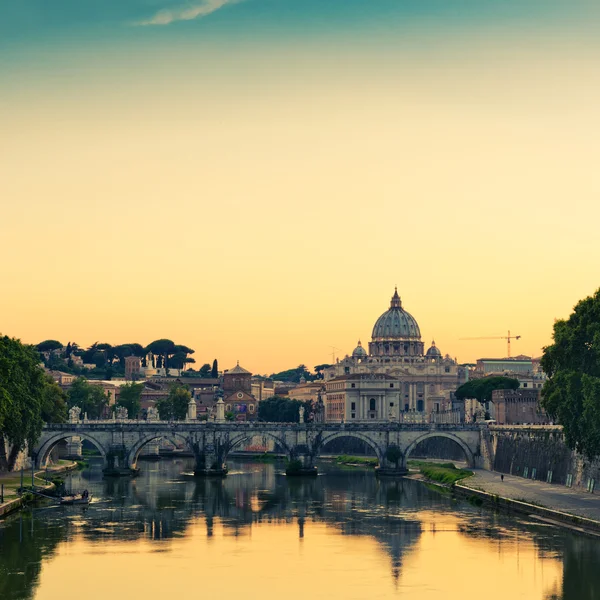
(259, 534)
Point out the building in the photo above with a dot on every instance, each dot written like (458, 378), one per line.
(519, 365)
(262, 388)
(237, 394)
(363, 397)
(307, 391)
(133, 367)
(518, 407)
(423, 381)
(63, 379)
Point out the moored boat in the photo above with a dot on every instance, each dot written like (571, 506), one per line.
(83, 498)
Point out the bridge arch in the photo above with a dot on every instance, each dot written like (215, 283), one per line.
(245, 437)
(46, 446)
(469, 455)
(134, 452)
(379, 452)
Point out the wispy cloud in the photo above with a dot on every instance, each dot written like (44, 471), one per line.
(187, 12)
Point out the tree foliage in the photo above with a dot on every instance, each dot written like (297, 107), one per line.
(571, 394)
(215, 369)
(49, 345)
(175, 405)
(294, 375)
(130, 397)
(282, 410)
(22, 388)
(54, 402)
(90, 398)
(481, 389)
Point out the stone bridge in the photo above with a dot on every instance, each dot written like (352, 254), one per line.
(120, 442)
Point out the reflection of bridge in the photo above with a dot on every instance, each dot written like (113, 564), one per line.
(120, 442)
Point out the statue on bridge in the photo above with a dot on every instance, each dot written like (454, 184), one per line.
(122, 413)
(152, 414)
(74, 414)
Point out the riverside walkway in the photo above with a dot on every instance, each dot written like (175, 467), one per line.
(557, 497)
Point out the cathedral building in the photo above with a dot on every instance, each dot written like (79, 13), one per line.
(396, 378)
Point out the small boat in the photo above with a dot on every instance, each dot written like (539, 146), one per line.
(76, 499)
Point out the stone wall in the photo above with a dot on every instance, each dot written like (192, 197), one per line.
(540, 452)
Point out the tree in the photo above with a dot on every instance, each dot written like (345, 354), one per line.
(90, 398)
(481, 389)
(294, 375)
(320, 368)
(164, 348)
(571, 395)
(49, 345)
(180, 397)
(175, 405)
(130, 397)
(22, 386)
(215, 369)
(54, 402)
(205, 370)
(282, 410)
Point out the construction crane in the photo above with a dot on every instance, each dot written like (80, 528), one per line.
(497, 337)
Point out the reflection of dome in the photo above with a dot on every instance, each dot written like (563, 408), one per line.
(359, 351)
(433, 352)
(396, 323)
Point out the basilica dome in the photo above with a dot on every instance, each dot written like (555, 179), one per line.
(433, 352)
(359, 351)
(396, 333)
(396, 323)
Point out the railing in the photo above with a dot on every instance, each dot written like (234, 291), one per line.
(449, 419)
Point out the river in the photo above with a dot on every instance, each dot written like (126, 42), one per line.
(259, 534)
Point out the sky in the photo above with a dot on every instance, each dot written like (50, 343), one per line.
(252, 178)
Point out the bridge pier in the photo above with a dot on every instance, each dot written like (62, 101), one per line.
(117, 465)
(392, 463)
(301, 462)
(209, 464)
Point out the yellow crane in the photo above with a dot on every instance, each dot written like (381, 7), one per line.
(497, 337)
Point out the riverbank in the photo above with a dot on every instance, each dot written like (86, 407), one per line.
(553, 504)
(12, 483)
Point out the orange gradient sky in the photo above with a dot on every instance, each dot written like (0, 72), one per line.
(258, 197)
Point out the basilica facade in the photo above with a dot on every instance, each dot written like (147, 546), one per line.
(396, 379)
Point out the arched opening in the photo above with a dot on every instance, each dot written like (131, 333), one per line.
(257, 443)
(442, 446)
(349, 443)
(41, 457)
(175, 439)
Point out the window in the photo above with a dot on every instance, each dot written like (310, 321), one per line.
(353, 385)
(353, 406)
(524, 385)
(251, 407)
(392, 404)
(391, 385)
(353, 415)
(406, 408)
(372, 403)
(420, 405)
(447, 370)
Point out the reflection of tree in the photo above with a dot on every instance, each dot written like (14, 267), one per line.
(581, 576)
(22, 549)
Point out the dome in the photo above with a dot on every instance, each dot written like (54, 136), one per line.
(396, 323)
(434, 351)
(359, 351)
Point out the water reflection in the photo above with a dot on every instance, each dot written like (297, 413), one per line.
(413, 526)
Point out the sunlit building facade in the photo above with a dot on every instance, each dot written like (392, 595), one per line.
(395, 377)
